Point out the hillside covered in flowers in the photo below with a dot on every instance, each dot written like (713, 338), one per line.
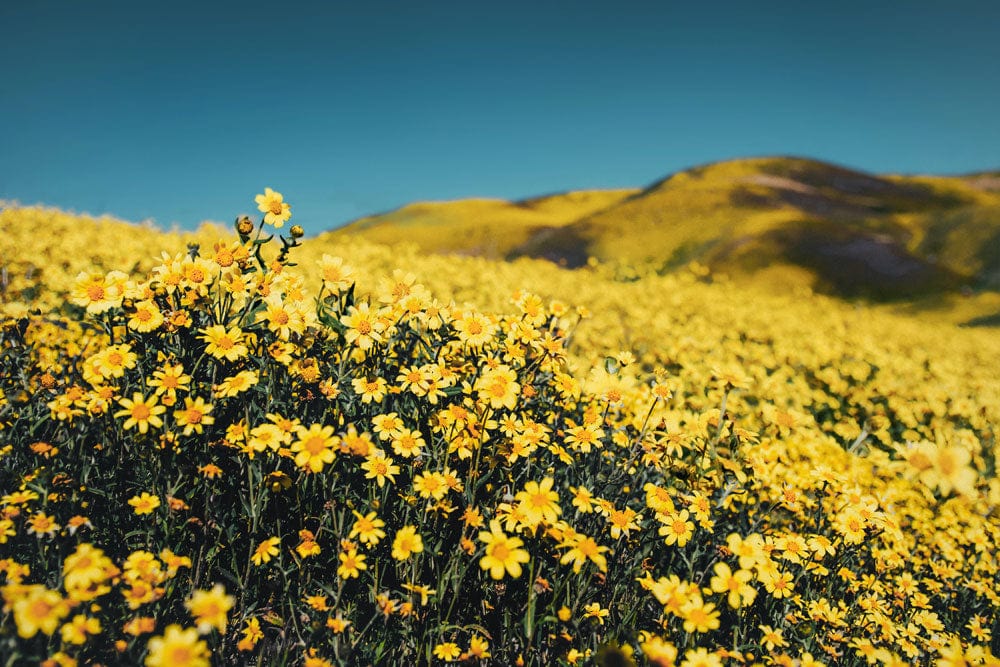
(245, 447)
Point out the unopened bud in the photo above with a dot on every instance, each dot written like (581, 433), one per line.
(244, 225)
(297, 232)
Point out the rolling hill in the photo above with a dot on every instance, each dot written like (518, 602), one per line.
(841, 231)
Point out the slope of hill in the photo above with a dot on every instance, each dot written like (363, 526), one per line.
(837, 230)
(489, 228)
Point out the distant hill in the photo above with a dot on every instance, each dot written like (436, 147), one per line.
(491, 228)
(843, 231)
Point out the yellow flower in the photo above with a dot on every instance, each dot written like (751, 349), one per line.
(146, 317)
(363, 328)
(42, 524)
(315, 447)
(141, 412)
(594, 610)
(499, 387)
(276, 211)
(538, 502)
(210, 608)
(447, 651)
(266, 550)
(144, 503)
(85, 571)
(251, 635)
(479, 648)
(676, 529)
(430, 484)
(581, 549)
(76, 631)
(224, 343)
(503, 554)
(379, 467)
(336, 624)
(406, 543)
(699, 616)
(700, 657)
(336, 274)
(308, 546)
(94, 292)
(425, 592)
(367, 528)
(660, 653)
(38, 609)
(740, 592)
(178, 647)
(194, 416)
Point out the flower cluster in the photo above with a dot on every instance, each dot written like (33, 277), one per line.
(222, 456)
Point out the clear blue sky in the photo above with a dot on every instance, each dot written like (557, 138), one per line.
(182, 111)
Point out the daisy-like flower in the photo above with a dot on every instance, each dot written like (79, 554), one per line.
(178, 647)
(223, 343)
(538, 502)
(314, 447)
(146, 317)
(337, 276)
(194, 416)
(210, 608)
(735, 584)
(274, 207)
(42, 524)
(144, 503)
(447, 651)
(504, 554)
(581, 549)
(406, 543)
(351, 564)
(676, 528)
(266, 550)
(38, 609)
(363, 327)
(367, 528)
(594, 610)
(380, 467)
(140, 412)
(430, 484)
(79, 628)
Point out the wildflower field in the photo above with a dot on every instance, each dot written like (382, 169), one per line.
(241, 447)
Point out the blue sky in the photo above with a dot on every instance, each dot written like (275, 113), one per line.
(181, 112)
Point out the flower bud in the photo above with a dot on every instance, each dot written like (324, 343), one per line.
(244, 225)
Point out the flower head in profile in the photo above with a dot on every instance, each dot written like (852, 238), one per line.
(274, 207)
(266, 550)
